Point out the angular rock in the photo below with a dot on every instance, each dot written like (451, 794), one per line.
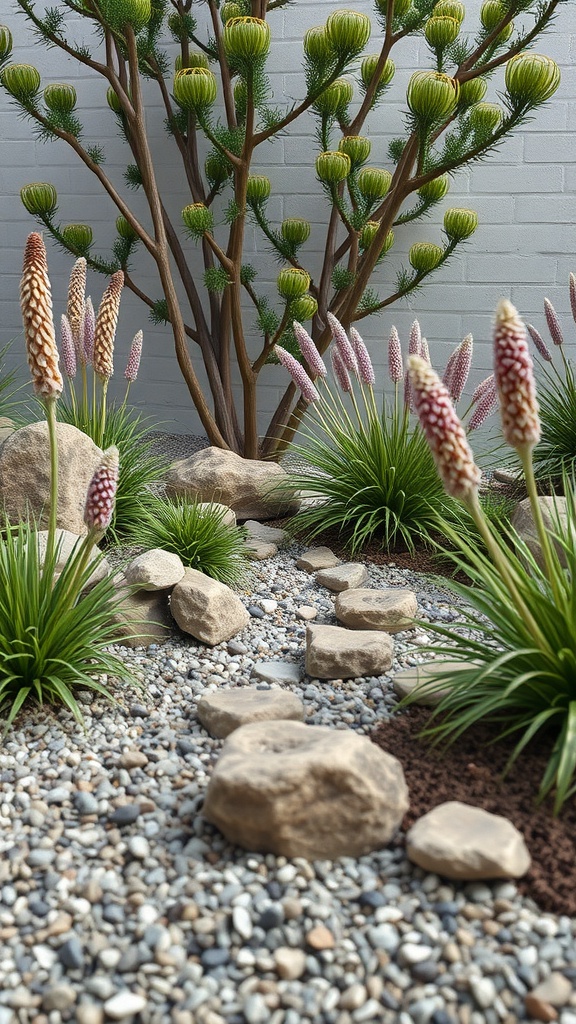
(254, 489)
(305, 791)
(260, 550)
(155, 570)
(285, 673)
(421, 678)
(206, 608)
(391, 610)
(226, 710)
(343, 577)
(460, 841)
(143, 618)
(336, 653)
(266, 534)
(228, 514)
(25, 474)
(317, 558)
(553, 509)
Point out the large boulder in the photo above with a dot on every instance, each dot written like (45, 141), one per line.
(254, 489)
(555, 518)
(336, 653)
(25, 474)
(206, 608)
(305, 791)
(391, 610)
(460, 841)
(226, 710)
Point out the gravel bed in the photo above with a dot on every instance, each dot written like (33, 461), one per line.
(118, 901)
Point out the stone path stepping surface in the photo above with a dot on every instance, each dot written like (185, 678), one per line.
(226, 710)
(336, 653)
(390, 610)
(421, 678)
(343, 577)
(283, 673)
(317, 558)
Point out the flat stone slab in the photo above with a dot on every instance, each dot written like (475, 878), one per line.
(460, 841)
(269, 534)
(336, 653)
(317, 558)
(226, 710)
(260, 550)
(391, 610)
(343, 577)
(155, 570)
(420, 679)
(283, 672)
(228, 514)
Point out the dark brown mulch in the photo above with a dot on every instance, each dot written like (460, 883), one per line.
(470, 771)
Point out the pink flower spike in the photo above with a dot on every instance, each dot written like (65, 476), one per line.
(553, 323)
(344, 347)
(395, 364)
(101, 496)
(340, 371)
(133, 364)
(484, 386)
(298, 374)
(444, 432)
(514, 372)
(461, 368)
(415, 343)
(573, 296)
(539, 342)
(449, 371)
(425, 351)
(67, 347)
(309, 350)
(485, 407)
(88, 328)
(365, 368)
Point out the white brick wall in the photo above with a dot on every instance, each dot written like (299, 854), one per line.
(524, 195)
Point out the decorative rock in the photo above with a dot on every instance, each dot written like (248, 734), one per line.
(155, 570)
(421, 678)
(206, 608)
(343, 577)
(305, 791)
(290, 963)
(317, 558)
(259, 550)
(266, 534)
(89, 1013)
(228, 514)
(284, 673)
(464, 842)
(7, 427)
(223, 712)
(124, 1004)
(254, 489)
(555, 989)
(307, 612)
(25, 474)
(551, 507)
(336, 653)
(390, 610)
(143, 618)
(59, 998)
(320, 937)
(539, 1009)
(133, 759)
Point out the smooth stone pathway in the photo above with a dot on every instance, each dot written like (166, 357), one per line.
(226, 710)
(342, 577)
(391, 610)
(336, 653)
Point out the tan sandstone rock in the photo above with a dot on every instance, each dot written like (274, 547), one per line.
(336, 653)
(343, 577)
(248, 486)
(390, 610)
(155, 570)
(25, 474)
(317, 558)
(7, 427)
(206, 608)
(226, 710)
(305, 791)
(143, 618)
(419, 681)
(457, 840)
(551, 507)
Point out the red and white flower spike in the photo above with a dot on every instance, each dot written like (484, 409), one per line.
(483, 387)
(340, 372)
(365, 368)
(344, 347)
(514, 372)
(67, 347)
(309, 350)
(444, 432)
(553, 323)
(88, 328)
(395, 364)
(487, 405)
(298, 374)
(573, 296)
(449, 371)
(415, 342)
(461, 368)
(101, 496)
(539, 342)
(425, 351)
(133, 364)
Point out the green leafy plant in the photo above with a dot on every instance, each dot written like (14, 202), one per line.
(219, 50)
(370, 472)
(198, 534)
(53, 631)
(519, 633)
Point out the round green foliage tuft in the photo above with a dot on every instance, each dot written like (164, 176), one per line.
(486, 117)
(450, 9)
(531, 78)
(368, 69)
(441, 32)
(196, 59)
(335, 98)
(78, 236)
(317, 45)
(119, 13)
(472, 92)
(198, 534)
(357, 147)
(303, 308)
(374, 182)
(198, 219)
(195, 88)
(435, 190)
(39, 198)
(332, 167)
(295, 230)
(125, 229)
(22, 81)
(425, 256)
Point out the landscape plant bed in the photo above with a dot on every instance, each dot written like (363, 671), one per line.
(471, 771)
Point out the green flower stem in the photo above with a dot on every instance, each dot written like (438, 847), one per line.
(50, 406)
(83, 558)
(550, 560)
(72, 394)
(105, 383)
(84, 390)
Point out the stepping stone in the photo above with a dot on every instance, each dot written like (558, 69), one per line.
(155, 570)
(336, 653)
(260, 550)
(460, 841)
(421, 678)
(222, 712)
(285, 673)
(343, 577)
(269, 534)
(317, 558)
(206, 608)
(305, 791)
(390, 610)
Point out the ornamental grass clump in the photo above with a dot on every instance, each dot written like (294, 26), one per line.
(518, 639)
(54, 632)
